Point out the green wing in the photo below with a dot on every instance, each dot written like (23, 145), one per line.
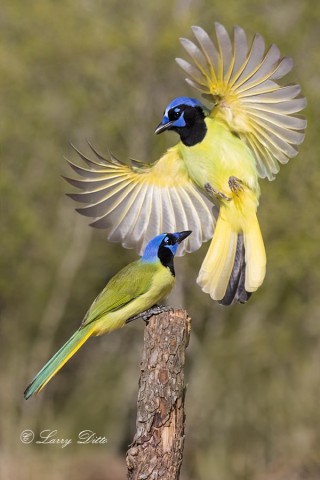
(131, 282)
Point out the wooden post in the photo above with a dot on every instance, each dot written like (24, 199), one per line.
(157, 448)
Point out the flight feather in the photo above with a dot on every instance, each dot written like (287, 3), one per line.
(241, 80)
(137, 202)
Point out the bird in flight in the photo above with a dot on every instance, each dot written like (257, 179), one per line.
(132, 293)
(209, 181)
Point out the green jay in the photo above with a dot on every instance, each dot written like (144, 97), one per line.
(213, 171)
(132, 293)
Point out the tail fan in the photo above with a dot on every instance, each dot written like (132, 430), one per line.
(217, 266)
(235, 264)
(57, 361)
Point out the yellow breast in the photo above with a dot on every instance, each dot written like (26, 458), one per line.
(162, 284)
(220, 155)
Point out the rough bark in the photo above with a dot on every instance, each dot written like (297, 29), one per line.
(157, 448)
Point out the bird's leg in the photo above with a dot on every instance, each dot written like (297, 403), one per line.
(236, 185)
(215, 193)
(147, 314)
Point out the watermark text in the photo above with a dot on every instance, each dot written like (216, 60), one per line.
(53, 437)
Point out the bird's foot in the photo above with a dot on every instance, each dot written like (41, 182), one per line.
(215, 193)
(147, 314)
(236, 185)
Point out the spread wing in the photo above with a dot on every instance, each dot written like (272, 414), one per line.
(241, 81)
(137, 202)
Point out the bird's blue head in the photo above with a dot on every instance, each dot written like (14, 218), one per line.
(185, 116)
(163, 248)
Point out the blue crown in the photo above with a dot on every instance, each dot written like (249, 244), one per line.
(192, 102)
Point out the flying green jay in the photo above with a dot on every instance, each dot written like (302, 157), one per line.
(132, 293)
(249, 129)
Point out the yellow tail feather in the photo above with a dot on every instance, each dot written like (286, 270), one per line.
(217, 267)
(255, 255)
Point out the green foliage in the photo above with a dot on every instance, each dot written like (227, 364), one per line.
(104, 71)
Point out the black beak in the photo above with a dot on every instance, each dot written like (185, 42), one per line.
(183, 235)
(162, 127)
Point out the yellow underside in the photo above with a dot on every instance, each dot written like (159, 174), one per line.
(218, 157)
(162, 284)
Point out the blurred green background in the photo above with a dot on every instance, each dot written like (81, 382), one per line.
(104, 71)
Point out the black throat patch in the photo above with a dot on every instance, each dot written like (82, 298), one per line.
(195, 129)
(166, 258)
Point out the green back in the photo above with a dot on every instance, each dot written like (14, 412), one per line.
(132, 281)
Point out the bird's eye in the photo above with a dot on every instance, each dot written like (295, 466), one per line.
(176, 113)
(169, 241)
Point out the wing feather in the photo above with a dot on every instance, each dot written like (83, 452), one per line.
(242, 83)
(169, 219)
(131, 282)
(85, 172)
(240, 50)
(137, 202)
(193, 222)
(195, 74)
(225, 49)
(208, 48)
(139, 229)
(128, 215)
(254, 57)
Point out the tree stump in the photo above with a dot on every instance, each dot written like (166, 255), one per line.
(157, 448)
